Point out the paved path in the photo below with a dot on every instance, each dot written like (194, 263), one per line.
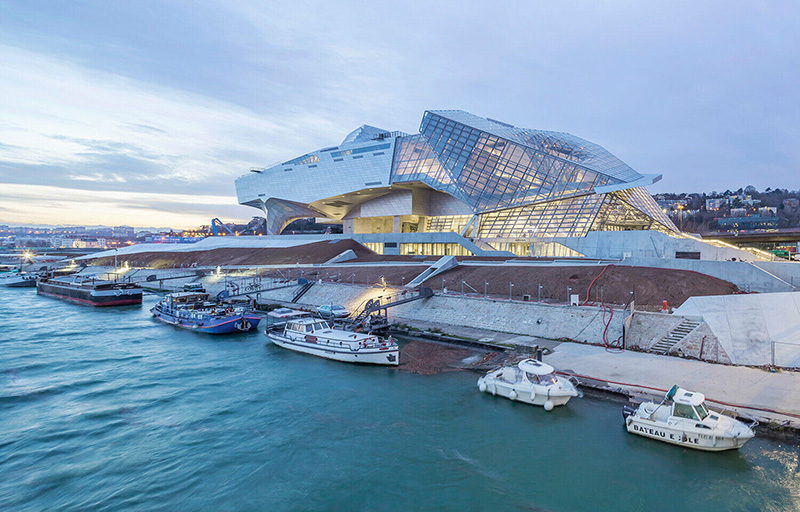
(752, 392)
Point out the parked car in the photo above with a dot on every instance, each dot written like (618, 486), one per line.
(194, 287)
(333, 311)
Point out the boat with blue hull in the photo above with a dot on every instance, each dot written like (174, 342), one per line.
(190, 310)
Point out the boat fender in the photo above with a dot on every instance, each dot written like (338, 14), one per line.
(548, 405)
(513, 394)
(482, 386)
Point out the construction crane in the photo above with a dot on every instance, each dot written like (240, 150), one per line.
(214, 223)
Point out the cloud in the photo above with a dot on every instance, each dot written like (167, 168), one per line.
(70, 126)
(180, 98)
(41, 204)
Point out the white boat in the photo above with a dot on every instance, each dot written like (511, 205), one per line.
(686, 421)
(19, 280)
(529, 381)
(317, 337)
(277, 318)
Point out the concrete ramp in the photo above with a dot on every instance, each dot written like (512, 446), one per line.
(442, 264)
(746, 325)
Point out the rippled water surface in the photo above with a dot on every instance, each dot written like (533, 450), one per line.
(105, 409)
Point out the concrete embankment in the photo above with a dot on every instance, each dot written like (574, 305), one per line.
(768, 397)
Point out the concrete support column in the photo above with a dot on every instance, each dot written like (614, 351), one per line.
(396, 224)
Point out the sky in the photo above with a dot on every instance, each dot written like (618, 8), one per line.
(143, 113)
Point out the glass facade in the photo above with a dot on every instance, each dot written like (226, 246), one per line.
(487, 179)
(521, 183)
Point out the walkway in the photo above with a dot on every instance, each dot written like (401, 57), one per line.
(752, 392)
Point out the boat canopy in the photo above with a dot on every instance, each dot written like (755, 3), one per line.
(535, 367)
(685, 397)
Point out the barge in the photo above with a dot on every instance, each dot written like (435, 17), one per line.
(90, 291)
(191, 310)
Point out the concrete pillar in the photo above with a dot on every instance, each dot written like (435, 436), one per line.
(396, 224)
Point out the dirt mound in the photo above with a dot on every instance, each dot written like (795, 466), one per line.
(611, 283)
(316, 252)
(428, 358)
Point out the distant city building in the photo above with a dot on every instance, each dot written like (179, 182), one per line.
(716, 203)
(123, 232)
(167, 239)
(668, 205)
(462, 173)
(792, 204)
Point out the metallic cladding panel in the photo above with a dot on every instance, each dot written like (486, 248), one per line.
(522, 182)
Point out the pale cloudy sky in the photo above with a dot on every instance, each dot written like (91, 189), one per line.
(144, 112)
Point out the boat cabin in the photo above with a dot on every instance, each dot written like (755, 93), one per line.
(186, 299)
(530, 370)
(689, 405)
(307, 325)
(286, 314)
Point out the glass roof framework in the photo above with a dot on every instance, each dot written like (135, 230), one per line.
(520, 183)
(489, 172)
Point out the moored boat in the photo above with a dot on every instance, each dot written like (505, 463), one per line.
(90, 291)
(529, 381)
(278, 318)
(316, 336)
(192, 310)
(19, 280)
(682, 418)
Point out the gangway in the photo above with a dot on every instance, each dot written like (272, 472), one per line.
(305, 286)
(379, 304)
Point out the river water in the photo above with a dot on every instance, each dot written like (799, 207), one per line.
(106, 409)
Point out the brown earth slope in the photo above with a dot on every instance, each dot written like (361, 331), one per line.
(613, 283)
(317, 252)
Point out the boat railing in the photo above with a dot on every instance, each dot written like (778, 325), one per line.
(354, 345)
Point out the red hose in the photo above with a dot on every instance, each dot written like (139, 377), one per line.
(592, 283)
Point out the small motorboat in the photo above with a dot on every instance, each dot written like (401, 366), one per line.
(682, 418)
(529, 381)
(19, 280)
(316, 336)
(191, 310)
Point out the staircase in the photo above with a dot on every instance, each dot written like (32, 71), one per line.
(302, 291)
(376, 305)
(675, 336)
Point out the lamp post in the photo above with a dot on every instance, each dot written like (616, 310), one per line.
(540, 293)
(510, 290)
(486, 289)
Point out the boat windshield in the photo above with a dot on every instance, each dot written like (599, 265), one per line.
(543, 380)
(685, 411)
(702, 411)
(318, 326)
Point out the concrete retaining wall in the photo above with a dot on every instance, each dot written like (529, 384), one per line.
(746, 276)
(748, 325)
(646, 244)
(585, 324)
(647, 329)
